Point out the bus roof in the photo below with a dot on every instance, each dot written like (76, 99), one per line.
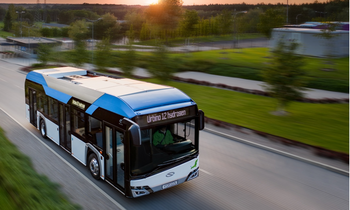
(123, 96)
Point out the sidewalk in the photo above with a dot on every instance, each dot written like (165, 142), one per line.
(244, 135)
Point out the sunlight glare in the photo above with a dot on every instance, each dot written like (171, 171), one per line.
(149, 2)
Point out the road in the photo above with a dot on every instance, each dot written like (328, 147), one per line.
(232, 175)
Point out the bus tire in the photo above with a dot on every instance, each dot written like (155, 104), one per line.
(42, 128)
(94, 166)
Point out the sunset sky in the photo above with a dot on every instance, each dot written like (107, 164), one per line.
(147, 2)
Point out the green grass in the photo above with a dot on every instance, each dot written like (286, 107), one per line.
(323, 125)
(4, 34)
(21, 187)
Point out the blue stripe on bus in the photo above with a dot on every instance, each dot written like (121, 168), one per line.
(64, 98)
(113, 104)
(91, 109)
(36, 77)
(156, 98)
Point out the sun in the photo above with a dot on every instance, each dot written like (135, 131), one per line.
(149, 2)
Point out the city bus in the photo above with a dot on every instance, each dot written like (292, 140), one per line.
(137, 136)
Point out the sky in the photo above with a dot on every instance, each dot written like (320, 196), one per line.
(147, 2)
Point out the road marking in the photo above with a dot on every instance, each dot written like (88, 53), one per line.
(325, 166)
(71, 166)
(2, 80)
(206, 172)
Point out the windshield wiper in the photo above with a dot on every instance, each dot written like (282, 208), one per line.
(168, 162)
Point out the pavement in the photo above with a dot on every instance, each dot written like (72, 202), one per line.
(244, 135)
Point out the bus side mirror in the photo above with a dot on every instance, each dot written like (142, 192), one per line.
(134, 134)
(201, 119)
(133, 131)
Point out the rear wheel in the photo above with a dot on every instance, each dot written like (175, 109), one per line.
(43, 128)
(94, 166)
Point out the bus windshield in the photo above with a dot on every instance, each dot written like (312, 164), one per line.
(162, 146)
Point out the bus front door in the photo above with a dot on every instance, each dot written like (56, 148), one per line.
(64, 123)
(114, 161)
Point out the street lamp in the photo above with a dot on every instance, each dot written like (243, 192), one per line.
(20, 17)
(92, 41)
(296, 19)
(235, 27)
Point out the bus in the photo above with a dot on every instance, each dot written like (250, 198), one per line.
(137, 136)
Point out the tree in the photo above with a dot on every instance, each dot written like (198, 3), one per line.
(107, 27)
(79, 55)
(44, 53)
(284, 76)
(225, 22)
(328, 34)
(164, 16)
(127, 62)
(79, 30)
(103, 54)
(8, 22)
(136, 20)
(272, 18)
(160, 65)
(249, 21)
(189, 22)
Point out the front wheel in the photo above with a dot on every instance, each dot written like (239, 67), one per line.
(43, 129)
(94, 166)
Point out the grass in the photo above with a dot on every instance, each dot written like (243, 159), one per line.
(21, 187)
(323, 125)
(4, 34)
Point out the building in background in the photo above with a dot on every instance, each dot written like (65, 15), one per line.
(311, 43)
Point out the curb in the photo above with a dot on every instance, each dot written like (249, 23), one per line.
(260, 146)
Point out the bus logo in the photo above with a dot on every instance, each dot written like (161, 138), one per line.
(170, 174)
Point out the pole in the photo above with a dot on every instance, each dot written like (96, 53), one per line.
(287, 11)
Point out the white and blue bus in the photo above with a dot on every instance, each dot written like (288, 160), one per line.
(137, 136)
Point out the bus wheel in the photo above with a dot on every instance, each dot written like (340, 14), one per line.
(43, 128)
(94, 166)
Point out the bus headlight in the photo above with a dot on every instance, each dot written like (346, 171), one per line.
(193, 174)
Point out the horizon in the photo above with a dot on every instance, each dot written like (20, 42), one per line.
(148, 2)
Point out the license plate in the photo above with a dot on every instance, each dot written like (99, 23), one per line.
(170, 184)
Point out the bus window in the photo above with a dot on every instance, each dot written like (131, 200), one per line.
(95, 131)
(53, 109)
(78, 122)
(42, 103)
(153, 153)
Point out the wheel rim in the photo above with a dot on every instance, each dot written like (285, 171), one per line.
(43, 132)
(94, 167)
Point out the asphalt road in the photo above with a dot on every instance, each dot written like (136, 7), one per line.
(232, 175)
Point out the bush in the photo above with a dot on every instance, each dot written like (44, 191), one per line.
(23, 186)
(329, 84)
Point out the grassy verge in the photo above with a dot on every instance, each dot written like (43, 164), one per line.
(4, 34)
(323, 125)
(21, 187)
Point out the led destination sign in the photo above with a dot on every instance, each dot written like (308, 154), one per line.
(162, 117)
(166, 115)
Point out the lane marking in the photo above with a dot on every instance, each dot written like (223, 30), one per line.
(66, 162)
(322, 165)
(206, 172)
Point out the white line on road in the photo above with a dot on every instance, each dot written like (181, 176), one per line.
(331, 168)
(71, 166)
(206, 172)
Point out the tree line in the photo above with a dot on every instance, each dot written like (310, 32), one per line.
(170, 19)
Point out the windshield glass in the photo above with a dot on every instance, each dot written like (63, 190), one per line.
(163, 145)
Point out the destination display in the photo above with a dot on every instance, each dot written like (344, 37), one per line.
(162, 117)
